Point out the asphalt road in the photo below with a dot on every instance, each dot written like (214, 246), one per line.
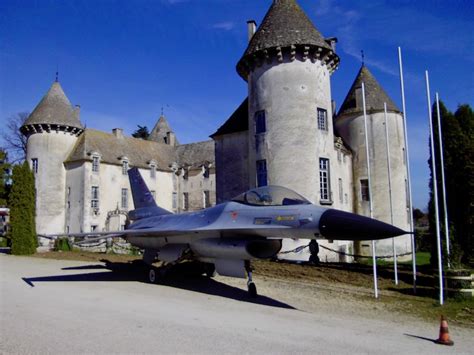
(50, 306)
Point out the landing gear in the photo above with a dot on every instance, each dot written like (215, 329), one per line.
(209, 270)
(152, 275)
(158, 275)
(252, 289)
(314, 251)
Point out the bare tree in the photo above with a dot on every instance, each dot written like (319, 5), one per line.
(15, 141)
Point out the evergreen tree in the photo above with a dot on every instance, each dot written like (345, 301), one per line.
(141, 132)
(22, 211)
(4, 177)
(458, 149)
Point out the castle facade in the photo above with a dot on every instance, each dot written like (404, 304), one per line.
(286, 132)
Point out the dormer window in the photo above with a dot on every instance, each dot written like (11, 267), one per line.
(206, 171)
(185, 173)
(152, 169)
(124, 167)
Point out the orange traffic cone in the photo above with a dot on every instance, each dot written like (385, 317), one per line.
(444, 333)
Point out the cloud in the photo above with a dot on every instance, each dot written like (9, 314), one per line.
(226, 26)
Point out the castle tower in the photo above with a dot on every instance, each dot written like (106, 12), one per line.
(350, 125)
(288, 65)
(163, 133)
(52, 129)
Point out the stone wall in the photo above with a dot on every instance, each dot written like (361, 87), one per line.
(232, 165)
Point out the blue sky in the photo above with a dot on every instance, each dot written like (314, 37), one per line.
(122, 61)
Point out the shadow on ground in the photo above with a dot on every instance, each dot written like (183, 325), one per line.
(182, 276)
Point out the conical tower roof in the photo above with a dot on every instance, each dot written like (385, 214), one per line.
(54, 109)
(375, 96)
(160, 132)
(284, 25)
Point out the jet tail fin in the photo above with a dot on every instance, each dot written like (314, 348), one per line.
(142, 196)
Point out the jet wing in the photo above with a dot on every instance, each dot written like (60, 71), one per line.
(261, 231)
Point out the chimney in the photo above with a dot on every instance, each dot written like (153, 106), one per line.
(77, 111)
(332, 42)
(251, 28)
(118, 132)
(170, 138)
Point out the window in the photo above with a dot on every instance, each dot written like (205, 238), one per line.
(207, 201)
(185, 201)
(262, 173)
(153, 171)
(324, 179)
(322, 119)
(95, 197)
(124, 198)
(124, 167)
(175, 200)
(341, 192)
(260, 124)
(95, 164)
(364, 190)
(34, 165)
(94, 227)
(185, 173)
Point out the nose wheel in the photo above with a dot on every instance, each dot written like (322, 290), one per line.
(251, 288)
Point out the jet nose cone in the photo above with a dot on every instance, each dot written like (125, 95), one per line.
(335, 224)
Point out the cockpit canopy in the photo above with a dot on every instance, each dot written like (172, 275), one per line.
(271, 196)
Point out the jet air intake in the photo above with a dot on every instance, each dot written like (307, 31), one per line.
(340, 225)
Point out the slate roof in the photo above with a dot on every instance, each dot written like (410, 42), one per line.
(54, 108)
(140, 152)
(375, 96)
(195, 154)
(237, 122)
(285, 24)
(112, 148)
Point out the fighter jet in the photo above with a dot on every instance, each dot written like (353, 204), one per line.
(226, 237)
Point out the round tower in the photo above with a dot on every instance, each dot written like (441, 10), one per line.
(52, 129)
(350, 125)
(287, 66)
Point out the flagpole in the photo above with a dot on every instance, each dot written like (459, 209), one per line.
(374, 259)
(435, 191)
(443, 183)
(389, 173)
(407, 162)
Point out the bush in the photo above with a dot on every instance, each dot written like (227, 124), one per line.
(22, 211)
(62, 244)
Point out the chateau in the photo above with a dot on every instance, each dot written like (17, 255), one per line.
(286, 132)
(81, 174)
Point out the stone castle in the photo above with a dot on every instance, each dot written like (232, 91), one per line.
(286, 132)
